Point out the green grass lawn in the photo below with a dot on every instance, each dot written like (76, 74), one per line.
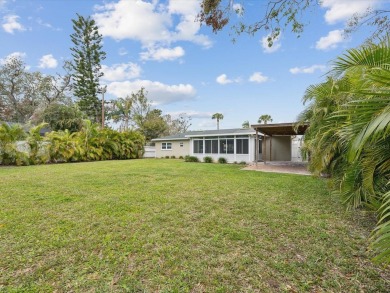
(170, 226)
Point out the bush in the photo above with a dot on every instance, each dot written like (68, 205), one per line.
(222, 160)
(166, 157)
(181, 157)
(173, 157)
(208, 159)
(191, 159)
(242, 163)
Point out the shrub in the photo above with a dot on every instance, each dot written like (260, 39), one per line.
(166, 157)
(222, 160)
(191, 159)
(173, 157)
(208, 159)
(181, 157)
(242, 163)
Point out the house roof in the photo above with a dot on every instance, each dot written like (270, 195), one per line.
(202, 133)
(281, 128)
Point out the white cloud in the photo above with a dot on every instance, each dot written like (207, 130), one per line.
(330, 41)
(308, 70)
(122, 51)
(258, 77)
(223, 79)
(162, 54)
(275, 46)
(18, 55)
(47, 61)
(192, 114)
(342, 10)
(119, 72)
(158, 93)
(151, 23)
(11, 24)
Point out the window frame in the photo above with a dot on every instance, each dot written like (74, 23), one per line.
(166, 148)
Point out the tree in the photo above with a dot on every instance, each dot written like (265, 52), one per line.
(63, 117)
(24, 94)
(265, 118)
(349, 133)
(121, 112)
(154, 125)
(245, 124)
(282, 14)
(217, 116)
(178, 125)
(87, 55)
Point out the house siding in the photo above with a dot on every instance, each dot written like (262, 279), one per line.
(176, 150)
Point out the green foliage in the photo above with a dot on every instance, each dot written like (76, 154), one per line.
(62, 117)
(166, 157)
(181, 158)
(265, 118)
(173, 157)
(208, 159)
(349, 133)
(9, 153)
(191, 159)
(87, 55)
(89, 144)
(218, 117)
(245, 124)
(222, 160)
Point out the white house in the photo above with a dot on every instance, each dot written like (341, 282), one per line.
(264, 142)
(235, 145)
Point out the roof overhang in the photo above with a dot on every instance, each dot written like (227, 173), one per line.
(221, 135)
(168, 139)
(281, 128)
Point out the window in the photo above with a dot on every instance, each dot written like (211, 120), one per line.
(166, 146)
(211, 146)
(181, 144)
(226, 146)
(198, 146)
(242, 146)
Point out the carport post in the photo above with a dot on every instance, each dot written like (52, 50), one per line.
(257, 147)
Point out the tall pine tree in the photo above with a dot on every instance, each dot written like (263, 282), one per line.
(87, 54)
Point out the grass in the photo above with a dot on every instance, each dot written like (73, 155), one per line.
(170, 226)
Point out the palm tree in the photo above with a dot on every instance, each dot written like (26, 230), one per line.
(9, 153)
(121, 112)
(245, 124)
(349, 133)
(217, 116)
(265, 118)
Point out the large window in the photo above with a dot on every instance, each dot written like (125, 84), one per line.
(242, 146)
(211, 146)
(166, 146)
(198, 146)
(226, 146)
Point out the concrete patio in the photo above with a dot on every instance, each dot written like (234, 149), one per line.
(280, 167)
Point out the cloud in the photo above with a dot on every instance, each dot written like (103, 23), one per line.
(331, 41)
(258, 77)
(11, 24)
(308, 70)
(18, 55)
(159, 93)
(192, 114)
(223, 79)
(162, 54)
(47, 61)
(342, 10)
(275, 46)
(122, 51)
(152, 23)
(119, 72)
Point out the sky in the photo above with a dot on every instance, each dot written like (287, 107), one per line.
(185, 67)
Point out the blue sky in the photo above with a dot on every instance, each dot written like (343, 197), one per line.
(184, 67)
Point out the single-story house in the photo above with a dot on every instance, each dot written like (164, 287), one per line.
(275, 142)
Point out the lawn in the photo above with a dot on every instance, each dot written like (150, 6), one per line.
(169, 226)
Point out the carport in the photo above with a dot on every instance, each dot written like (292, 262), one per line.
(276, 144)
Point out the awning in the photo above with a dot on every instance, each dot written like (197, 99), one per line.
(281, 128)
